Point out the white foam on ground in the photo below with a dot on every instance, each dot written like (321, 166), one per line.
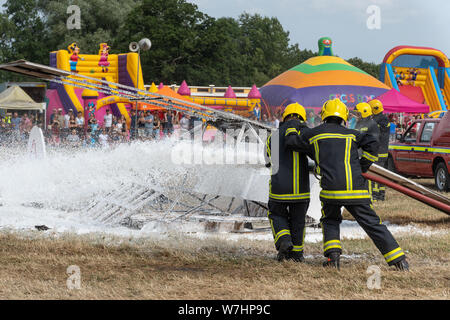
(25, 219)
(349, 230)
(66, 181)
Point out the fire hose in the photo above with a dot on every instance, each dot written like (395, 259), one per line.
(409, 192)
(403, 185)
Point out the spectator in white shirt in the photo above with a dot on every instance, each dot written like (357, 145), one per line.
(80, 122)
(276, 122)
(65, 128)
(67, 118)
(107, 120)
(103, 138)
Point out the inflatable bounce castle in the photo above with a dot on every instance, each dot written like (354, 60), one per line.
(320, 78)
(116, 68)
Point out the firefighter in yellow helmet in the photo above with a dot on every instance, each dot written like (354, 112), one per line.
(288, 187)
(385, 126)
(334, 148)
(367, 125)
(365, 121)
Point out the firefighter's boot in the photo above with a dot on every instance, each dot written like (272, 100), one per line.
(297, 256)
(284, 252)
(333, 260)
(402, 265)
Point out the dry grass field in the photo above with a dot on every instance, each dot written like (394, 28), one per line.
(34, 265)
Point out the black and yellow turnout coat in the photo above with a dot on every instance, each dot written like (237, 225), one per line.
(334, 148)
(385, 127)
(289, 180)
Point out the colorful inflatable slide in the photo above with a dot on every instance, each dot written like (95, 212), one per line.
(420, 73)
(118, 68)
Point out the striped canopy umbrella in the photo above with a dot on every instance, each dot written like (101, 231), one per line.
(321, 78)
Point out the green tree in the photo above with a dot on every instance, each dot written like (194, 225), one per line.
(189, 45)
(174, 27)
(266, 43)
(369, 67)
(24, 34)
(186, 43)
(219, 60)
(101, 21)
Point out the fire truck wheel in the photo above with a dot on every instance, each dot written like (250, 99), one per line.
(441, 177)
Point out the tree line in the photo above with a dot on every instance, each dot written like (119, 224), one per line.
(186, 43)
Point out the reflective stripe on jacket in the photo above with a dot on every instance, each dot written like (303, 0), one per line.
(334, 148)
(289, 180)
(385, 127)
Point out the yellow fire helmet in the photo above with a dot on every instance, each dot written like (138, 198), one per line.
(376, 106)
(295, 108)
(364, 108)
(335, 108)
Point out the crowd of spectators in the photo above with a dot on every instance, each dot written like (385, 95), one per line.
(69, 130)
(15, 128)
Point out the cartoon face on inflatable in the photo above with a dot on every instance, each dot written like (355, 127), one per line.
(104, 48)
(73, 48)
(325, 46)
(326, 42)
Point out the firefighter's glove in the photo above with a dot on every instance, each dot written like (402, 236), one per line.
(365, 164)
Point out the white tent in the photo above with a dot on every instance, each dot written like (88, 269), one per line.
(14, 98)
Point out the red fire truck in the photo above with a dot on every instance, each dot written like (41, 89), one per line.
(423, 151)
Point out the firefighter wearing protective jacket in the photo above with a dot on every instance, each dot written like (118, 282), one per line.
(335, 150)
(385, 126)
(366, 124)
(288, 187)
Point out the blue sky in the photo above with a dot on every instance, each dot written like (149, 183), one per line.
(403, 22)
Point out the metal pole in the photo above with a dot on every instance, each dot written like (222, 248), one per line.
(137, 87)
